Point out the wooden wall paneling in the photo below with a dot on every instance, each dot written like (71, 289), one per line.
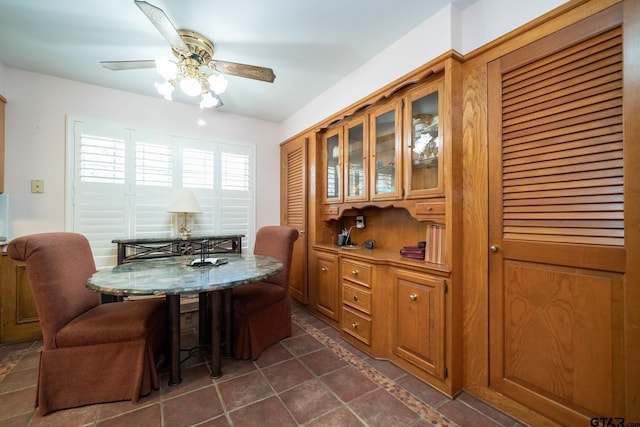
(631, 111)
(475, 225)
(454, 236)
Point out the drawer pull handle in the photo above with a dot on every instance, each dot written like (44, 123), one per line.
(354, 272)
(323, 269)
(429, 208)
(355, 297)
(413, 297)
(354, 325)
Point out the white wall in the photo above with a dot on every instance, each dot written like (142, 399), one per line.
(36, 110)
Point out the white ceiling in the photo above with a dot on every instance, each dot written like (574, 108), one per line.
(309, 44)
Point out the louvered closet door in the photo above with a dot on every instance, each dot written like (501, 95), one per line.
(293, 211)
(557, 222)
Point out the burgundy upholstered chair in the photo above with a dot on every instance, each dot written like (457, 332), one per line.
(262, 310)
(92, 352)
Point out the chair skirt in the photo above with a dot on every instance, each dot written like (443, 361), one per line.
(256, 330)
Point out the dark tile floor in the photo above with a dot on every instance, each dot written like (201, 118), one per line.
(313, 378)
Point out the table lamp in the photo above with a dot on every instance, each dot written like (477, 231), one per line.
(184, 205)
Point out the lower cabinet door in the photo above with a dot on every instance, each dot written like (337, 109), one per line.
(419, 326)
(327, 298)
(18, 316)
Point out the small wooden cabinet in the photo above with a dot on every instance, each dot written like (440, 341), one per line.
(18, 316)
(325, 298)
(419, 320)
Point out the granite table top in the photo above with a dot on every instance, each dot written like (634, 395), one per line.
(174, 275)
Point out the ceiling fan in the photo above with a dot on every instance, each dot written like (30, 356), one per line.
(194, 70)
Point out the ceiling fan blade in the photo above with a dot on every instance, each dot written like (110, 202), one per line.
(244, 70)
(128, 65)
(163, 24)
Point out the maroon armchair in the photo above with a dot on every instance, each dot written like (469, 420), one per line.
(92, 352)
(262, 310)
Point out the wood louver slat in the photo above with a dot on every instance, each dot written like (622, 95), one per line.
(563, 176)
(295, 184)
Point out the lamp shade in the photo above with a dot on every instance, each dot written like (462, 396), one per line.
(184, 201)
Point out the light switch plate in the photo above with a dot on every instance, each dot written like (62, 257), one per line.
(37, 186)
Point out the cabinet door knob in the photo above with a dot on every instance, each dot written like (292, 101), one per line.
(413, 297)
(355, 297)
(494, 248)
(323, 269)
(354, 325)
(354, 272)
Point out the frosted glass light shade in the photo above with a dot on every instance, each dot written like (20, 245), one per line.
(184, 202)
(217, 83)
(191, 86)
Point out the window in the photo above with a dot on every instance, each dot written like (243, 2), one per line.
(122, 180)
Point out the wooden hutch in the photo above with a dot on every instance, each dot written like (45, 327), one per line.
(517, 165)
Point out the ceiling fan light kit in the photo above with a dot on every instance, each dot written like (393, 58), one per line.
(195, 71)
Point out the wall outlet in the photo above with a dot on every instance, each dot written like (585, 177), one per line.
(37, 186)
(360, 221)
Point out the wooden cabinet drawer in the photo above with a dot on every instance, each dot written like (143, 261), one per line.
(356, 298)
(430, 208)
(356, 325)
(433, 210)
(356, 272)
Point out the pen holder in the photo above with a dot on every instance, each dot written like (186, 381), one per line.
(342, 240)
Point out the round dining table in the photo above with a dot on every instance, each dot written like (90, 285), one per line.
(177, 276)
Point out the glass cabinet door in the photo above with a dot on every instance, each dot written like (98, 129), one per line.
(333, 165)
(423, 169)
(356, 156)
(385, 146)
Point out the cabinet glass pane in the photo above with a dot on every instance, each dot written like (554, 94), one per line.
(355, 161)
(385, 149)
(426, 142)
(333, 167)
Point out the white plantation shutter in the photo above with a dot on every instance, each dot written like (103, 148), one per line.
(121, 182)
(236, 193)
(197, 168)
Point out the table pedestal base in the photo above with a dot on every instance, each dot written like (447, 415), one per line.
(211, 305)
